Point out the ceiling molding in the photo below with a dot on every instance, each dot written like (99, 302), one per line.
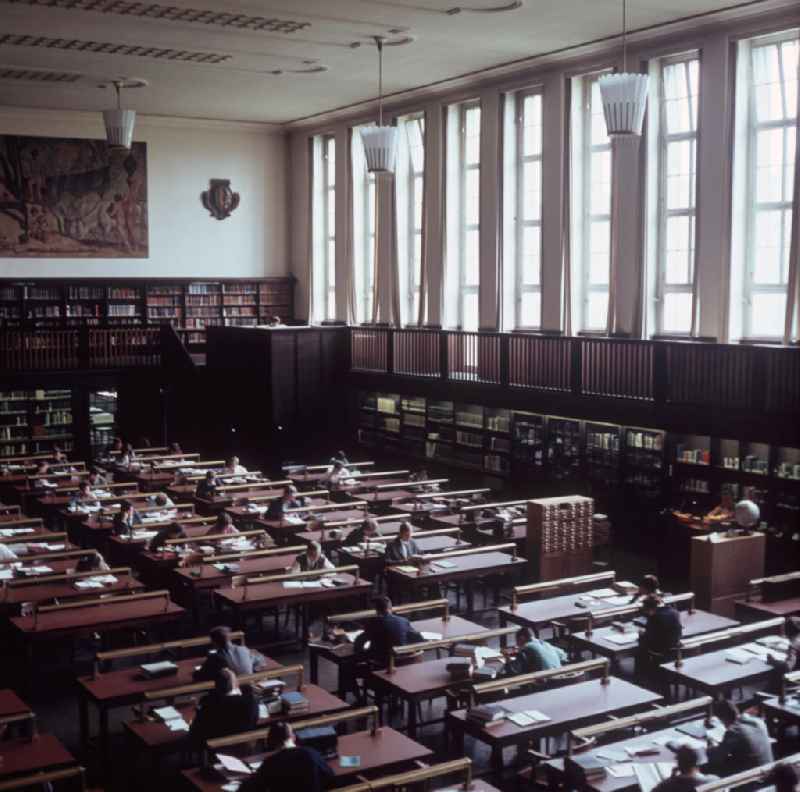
(224, 20)
(697, 24)
(59, 117)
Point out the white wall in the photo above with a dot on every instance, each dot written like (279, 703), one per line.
(185, 241)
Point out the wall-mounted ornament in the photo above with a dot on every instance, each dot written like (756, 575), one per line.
(220, 199)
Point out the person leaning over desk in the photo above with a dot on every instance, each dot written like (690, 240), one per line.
(226, 654)
(533, 654)
(383, 632)
(207, 487)
(171, 531)
(746, 743)
(687, 775)
(289, 767)
(287, 500)
(125, 519)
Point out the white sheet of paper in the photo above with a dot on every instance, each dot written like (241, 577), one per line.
(233, 765)
(431, 636)
(621, 771)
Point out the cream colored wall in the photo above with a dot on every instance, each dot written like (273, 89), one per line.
(185, 241)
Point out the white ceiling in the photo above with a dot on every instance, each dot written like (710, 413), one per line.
(240, 87)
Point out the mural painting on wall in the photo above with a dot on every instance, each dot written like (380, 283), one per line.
(67, 197)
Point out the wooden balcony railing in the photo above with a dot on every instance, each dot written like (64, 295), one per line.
(82, 348)
(732, 376)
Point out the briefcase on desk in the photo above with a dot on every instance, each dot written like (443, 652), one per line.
(323, 738)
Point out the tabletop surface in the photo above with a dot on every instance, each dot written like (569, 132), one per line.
(477, 562)
(96, 616)
(130, 682)
(695, 623)
(386, 748)
(565, 706)
(155, 733)
(784, 607)
(23, 755)
(12, 704)
(712, 669)
(275, 564)
(261, 594)
(66, 589)
(542, 611)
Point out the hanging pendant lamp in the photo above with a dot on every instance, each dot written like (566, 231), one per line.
(119, 123)
(624, 95)
(380, 142)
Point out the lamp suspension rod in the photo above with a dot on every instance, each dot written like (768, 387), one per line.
(624, 35)
(379, 42)
(116, 88)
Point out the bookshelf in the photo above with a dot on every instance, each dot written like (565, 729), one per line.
(35, 421)
(184, 304)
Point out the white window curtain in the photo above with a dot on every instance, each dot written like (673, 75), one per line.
(322, 283)
(791, 331)
(409, 200)
(363, 234)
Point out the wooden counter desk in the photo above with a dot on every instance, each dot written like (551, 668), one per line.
(95, 529)
(465, 569)
(568, 707)
(152, 736)
(24, 755)
(749, 610)
(601, 641)
(336, 535)
(102, 616)
(342, 654)
(12, 704)
(125, 687)
(387, 749)
(273, 595)
(283, 531)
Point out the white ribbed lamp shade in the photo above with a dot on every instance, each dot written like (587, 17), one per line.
(747, 513)
(380, 148)
(119, 127)
(624, 99)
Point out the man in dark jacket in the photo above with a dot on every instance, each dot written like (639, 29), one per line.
(687, 776)
(660, 637)
(383, 633)
(226, 710)
(290, 767)
(403, 548)
(746, 743)
(226, 654)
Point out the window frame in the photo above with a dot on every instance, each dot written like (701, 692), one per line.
(414, 267)
(368, 220)
(749, 287)
(466, 228)
(662, 288)
(328, 195)
(520, 223)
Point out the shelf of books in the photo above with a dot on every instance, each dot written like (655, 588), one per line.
(35, 421)
(102, 420)
(190, 305)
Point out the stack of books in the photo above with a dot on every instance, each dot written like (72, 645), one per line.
(487, 713)
(295, 703)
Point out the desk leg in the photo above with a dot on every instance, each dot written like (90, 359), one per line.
(313, 665)
(412, 717)
(83, 718)
(104, 742)
(470, 594)
(497, 759)
(503, 623)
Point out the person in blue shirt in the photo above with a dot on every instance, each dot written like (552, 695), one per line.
(383, 633)
(533, 654)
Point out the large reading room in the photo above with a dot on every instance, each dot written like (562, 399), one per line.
(400, 396)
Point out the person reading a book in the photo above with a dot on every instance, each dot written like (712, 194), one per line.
(313, 560)
(337, 475)
(289, 766)
(234, 468)
(207, 487)
(402, 548)
(84, 496)
(792, 661)
(223, 525)
(171, 531)
(97, 479)
(532, 654)
(163, 501)
(661, 634)
(365, 532)
(745, 744)
(125, 519)
(649, 587)
(226, 654)
(92, 562)
(279, 506)
(687, 775)
(383, 633)
(227, 710)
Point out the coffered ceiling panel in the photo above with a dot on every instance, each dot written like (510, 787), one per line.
(279, 61)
